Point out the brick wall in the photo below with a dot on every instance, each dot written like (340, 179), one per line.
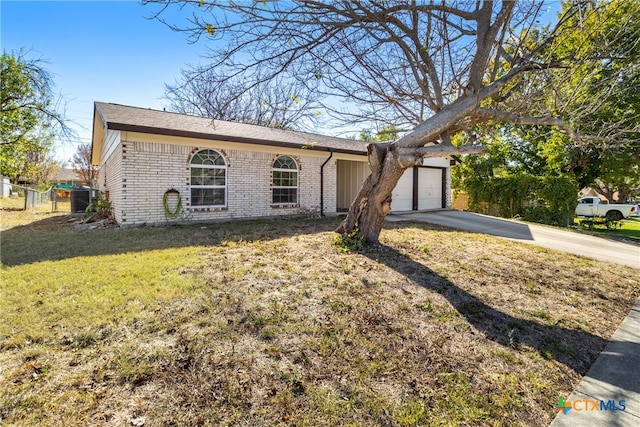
(448, 203)
(149, 169)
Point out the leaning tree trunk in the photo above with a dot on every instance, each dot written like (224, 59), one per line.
(388, 162)
(368, 210)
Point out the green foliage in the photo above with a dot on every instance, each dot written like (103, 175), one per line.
(628, 229)
(597, 221)
(99, 209)
(619, 172)
(352, 242)
(387, 133)
(27, 117)
(604, 30)
(546, 199)
(516, 171)
(598, 97)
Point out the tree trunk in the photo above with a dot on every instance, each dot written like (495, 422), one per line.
(623, 195)
(368, 210)
(388, 161)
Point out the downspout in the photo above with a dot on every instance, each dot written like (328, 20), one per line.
(322, 182)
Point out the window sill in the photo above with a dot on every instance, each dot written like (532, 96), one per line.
(285, 206)
(208, 209)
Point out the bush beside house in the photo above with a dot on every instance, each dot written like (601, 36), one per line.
(546, 199)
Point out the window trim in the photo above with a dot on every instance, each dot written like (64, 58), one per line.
(207, 166)
(296, 187)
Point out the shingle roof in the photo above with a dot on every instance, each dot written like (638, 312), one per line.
(65, 174)
(125, 118)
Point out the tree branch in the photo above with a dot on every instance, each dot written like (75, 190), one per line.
(408, 157)
(544, 120)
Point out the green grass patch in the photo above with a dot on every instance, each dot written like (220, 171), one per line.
(628, 229)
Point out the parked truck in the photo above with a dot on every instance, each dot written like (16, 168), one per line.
(594, 207)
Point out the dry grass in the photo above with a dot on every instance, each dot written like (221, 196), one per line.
(267, 323)
(13, 214)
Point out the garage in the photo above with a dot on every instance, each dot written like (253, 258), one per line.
(402, 194)
(419, 188)
(430, 188)
(422, 187)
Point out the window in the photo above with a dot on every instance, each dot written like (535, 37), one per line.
(285, 181)
(208, 179)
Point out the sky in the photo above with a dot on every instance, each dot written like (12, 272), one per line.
(107, 51)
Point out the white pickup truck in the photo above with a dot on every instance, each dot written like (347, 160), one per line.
(593, 206)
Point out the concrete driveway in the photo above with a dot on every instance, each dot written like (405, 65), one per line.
(547, 237)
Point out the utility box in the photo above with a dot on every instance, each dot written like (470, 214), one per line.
(80, 199)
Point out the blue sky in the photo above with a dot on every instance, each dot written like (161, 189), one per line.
(105, 51)
(97, 51)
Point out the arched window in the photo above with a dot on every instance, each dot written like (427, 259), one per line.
(208, 179)
(285, 181)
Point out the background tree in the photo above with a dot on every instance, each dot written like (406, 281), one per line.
(616, 167)
(619, 174)
(39, 164)
(280, 103)
(82, 164)
(598, 96)
(388, 133)
(30, 115)
(443, 69)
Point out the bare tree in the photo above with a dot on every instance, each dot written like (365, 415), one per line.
(82, 164)
(442, 69)
(207, 92)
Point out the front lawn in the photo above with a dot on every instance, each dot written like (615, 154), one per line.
(270, 323)
(627, 229)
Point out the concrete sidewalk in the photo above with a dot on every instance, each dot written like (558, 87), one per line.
(615, 376)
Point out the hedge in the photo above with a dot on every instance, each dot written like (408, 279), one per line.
(544, 199)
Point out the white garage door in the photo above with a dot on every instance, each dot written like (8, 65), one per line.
(429, 188)
(402, 195)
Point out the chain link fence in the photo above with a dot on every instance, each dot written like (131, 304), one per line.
(75, 198)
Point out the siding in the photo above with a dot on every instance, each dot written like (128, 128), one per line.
(111, 143)
(350, 176)
(110, 180)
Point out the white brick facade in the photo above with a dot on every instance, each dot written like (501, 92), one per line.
(448, 202)
(145, 155)
(139, 172)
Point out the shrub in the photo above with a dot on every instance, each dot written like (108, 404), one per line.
(544, 199)
(353, 242)
(99, 209)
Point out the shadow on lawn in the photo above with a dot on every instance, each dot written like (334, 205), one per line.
(54, 238)
(574, 348)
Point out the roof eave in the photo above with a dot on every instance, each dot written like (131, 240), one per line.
(127, 127)
(97, 136)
